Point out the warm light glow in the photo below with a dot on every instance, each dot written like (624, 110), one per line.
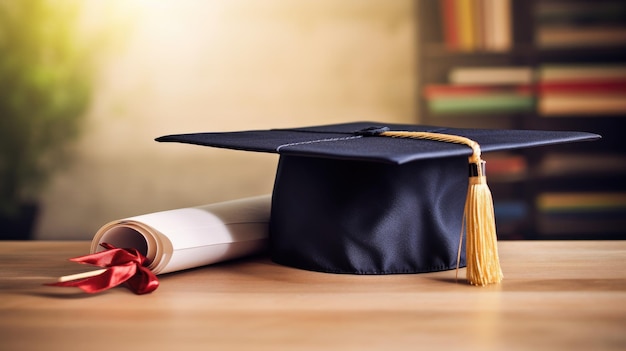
(194, 65)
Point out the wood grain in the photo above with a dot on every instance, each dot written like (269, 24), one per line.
(568, 295)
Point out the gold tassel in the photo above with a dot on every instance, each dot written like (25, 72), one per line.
(483, 262)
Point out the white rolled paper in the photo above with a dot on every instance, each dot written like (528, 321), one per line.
(192, 237)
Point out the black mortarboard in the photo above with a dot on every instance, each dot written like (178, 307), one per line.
(361, 198)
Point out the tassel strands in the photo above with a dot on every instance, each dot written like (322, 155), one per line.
(483, 262)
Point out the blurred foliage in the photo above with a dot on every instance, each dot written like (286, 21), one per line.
(46, 75)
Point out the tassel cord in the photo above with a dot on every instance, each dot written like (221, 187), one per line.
(448, 138)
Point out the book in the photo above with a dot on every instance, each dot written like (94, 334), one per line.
(580, 24)
(581, 72)
(498, 27)
(571, 37)
(191, 237)
(465, 25)
(476, 25)
(581, 90)
(497, 75)
(508, 211)
(580, 13)
(433, 91)
(482, 90)
(577, 225)
(572, 213)
(507, 166)
(582, 105)
(482, 103)
(555, 164)
(582, 202)
(448, 19)
(583, 86)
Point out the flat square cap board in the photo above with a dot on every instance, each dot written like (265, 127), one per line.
(345, 141)
(355, 198)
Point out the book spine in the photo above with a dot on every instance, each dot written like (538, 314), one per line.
(576, 13)
(502, 32)
(576, 202)
(441, 90)
(582, 86)
(465, 20)
(491, 75)
(450, 30)
(581, 105)
(549, 73)
(478, 21)
(491, 103)
(580, 37)
(585, 213)
(594, 90)
(580, 24)
(476, 25)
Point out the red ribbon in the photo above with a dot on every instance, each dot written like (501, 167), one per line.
(123, 266)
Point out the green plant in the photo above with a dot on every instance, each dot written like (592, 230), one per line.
(45, 88)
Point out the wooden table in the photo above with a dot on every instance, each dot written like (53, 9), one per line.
(556, 295)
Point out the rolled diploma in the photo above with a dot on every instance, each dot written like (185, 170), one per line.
(192, 237)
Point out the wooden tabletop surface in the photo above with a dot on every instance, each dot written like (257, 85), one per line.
(556, 295)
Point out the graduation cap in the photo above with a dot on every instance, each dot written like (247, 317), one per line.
(374, 198)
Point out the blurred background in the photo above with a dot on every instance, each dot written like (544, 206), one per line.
(86, 86)
(162, 67)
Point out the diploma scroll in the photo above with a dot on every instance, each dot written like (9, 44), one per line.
(192, 237)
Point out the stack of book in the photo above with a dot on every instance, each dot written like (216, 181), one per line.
(511, 212)
(582, 164)
(581, 213)
(482, 90)
(576, 24)
(581, 90)
(477, 25)
(578, 211)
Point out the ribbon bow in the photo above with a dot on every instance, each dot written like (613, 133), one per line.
(122, 266)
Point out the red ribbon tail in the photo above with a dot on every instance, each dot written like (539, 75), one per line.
(110, 278)
(123, 265)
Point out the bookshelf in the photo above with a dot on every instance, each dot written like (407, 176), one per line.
(535, 64)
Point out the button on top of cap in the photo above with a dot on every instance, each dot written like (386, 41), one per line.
(370, 131)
